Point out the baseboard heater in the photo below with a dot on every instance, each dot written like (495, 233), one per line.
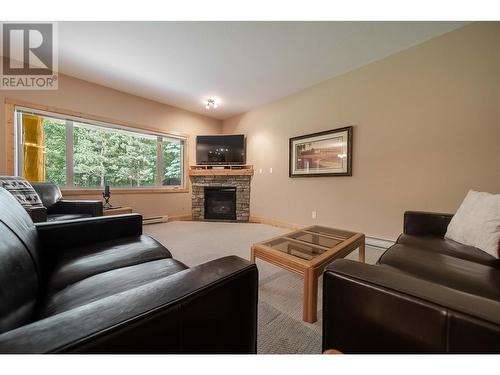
(155, 220)
(378, 243)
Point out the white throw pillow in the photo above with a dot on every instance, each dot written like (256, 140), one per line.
(477, 222)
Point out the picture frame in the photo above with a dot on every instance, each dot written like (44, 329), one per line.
(324, 154)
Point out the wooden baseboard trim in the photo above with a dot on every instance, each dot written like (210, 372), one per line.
(274, 223)
(180, 218)
(378, 243)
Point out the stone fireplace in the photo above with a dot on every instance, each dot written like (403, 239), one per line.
(221, 194)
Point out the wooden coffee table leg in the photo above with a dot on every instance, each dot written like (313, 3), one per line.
(362, 251)
(252, 255)
(310, 296)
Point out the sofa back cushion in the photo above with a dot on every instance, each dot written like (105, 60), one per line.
(17, 220)
(18, 281)
(48, 192)
(21, 190)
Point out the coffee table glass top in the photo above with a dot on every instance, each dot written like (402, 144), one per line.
(338, 233)
(310, 242)
(315, 239)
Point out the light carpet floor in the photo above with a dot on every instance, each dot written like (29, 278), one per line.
(280, 326)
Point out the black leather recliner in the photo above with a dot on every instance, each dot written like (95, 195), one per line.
(98, 285)
(57, 208)
(427, 294)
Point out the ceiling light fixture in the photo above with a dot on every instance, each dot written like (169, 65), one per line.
(211, 104)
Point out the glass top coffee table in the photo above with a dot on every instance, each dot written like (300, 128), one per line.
(307, 252)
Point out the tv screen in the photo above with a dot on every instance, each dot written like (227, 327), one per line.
(220, 149)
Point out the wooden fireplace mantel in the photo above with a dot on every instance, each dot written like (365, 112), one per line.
(221, 170)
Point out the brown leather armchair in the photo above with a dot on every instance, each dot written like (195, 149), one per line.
(426, 294)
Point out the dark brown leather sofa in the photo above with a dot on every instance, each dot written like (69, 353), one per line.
(56, 208)
(426, 294)
(98, 285)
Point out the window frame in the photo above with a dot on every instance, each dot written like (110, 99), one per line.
(108, 124)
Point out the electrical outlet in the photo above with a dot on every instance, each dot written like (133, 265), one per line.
(271, 170)
(260, 170)
(313, 214)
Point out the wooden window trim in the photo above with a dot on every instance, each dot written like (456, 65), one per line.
(10, 134)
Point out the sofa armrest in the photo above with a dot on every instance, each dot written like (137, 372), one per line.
(419, 223)
(211, 308)
(88, 207)
(38, 214)
(379, 309)
(61, 235)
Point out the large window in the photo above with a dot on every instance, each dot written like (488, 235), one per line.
(75, 153)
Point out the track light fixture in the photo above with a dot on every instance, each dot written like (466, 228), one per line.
(211, 104)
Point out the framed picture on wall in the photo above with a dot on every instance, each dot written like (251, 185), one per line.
(323, 154)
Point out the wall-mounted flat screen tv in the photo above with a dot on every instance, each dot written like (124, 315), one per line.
(220, 149)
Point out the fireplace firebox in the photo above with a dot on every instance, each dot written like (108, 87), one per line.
(220, 203)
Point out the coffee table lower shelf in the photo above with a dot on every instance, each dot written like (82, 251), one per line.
(309, 269)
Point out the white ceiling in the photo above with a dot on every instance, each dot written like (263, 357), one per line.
(244, 64)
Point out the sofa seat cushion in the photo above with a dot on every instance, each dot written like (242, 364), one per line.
(448, 247)
(463, 275)
(80, 263)
(108, 283)
(61, 217)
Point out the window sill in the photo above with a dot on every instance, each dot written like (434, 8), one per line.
(118, 191)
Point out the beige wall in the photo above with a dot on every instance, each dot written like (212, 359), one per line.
(426, 129)
(77, 95)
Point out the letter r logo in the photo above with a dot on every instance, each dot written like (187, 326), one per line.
(29, 48)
